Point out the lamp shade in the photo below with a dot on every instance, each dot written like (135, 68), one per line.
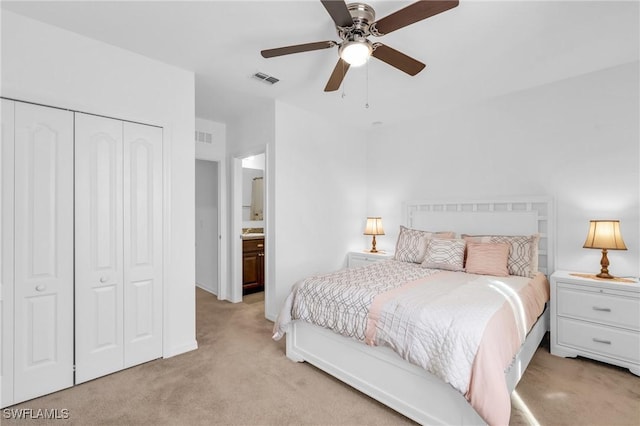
(374, 226)
(605, 234)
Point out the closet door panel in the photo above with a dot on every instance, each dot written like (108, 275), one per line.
(142, 243)
(6, 249)
(98, 242)
(43, 300)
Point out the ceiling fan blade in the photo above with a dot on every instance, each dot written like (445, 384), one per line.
(338, 11)
(270, 53)
(397, 59)
(413, 13)
(337, 76)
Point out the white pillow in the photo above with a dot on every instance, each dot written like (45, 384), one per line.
(411, 245)
(445, 254)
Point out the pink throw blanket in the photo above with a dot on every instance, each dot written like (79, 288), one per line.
(463, 328)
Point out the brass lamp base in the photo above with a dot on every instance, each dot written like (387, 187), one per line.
(604, 263)
(373, 245)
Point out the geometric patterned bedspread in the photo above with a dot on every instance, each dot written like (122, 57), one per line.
(340, 300)
(431, 318)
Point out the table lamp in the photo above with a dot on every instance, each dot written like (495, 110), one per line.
(374, 227)
(605, 235)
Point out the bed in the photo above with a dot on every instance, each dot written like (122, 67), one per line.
(385, 373)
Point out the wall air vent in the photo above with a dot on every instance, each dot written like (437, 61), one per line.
(204, 137)
(266, 78)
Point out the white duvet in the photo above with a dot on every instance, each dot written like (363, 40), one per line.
(438, 323)
(433, 319)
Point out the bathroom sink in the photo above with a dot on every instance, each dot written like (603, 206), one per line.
(252, 235)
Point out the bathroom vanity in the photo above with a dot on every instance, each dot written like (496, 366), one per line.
(252, 263)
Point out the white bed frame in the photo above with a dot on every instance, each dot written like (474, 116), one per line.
(381, 373)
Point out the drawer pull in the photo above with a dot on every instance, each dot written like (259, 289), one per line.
(260, 245)
(606, 342)
(596, 308)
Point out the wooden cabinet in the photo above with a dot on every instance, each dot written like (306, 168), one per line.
(252, 265)
(597, 319)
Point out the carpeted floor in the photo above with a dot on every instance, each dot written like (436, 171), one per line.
(240, 376)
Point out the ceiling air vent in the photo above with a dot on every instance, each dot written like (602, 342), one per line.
(266, 78)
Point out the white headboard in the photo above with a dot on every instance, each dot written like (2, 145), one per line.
(521, 216)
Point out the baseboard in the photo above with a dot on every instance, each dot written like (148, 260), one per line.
(181, 349)
(207, 289)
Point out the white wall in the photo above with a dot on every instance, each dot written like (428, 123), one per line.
(320, 196)
(207, 225)
(44, 64)
(315, 178)
(251, 134)
(254, 162)
(575, 140)
(216, 150)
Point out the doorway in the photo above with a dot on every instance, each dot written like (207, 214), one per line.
(207, 226)
(249, 222)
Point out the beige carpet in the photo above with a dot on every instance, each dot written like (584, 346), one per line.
(240, 376)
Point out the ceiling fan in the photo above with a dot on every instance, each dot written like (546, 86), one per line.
(354, 23)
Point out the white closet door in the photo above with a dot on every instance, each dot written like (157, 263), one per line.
(142, 243)
(6, 262)
(99, 255)
(43, 304)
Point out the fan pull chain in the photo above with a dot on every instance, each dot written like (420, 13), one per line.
(343, 82)
(366, 105)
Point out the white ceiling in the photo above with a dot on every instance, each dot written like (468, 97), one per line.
(478, 50)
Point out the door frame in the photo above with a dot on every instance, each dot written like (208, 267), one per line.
(236, 224)
(235, 295)
(220, 182)
(222, 222)
(7, 111)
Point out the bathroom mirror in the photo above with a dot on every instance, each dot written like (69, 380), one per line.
(253, 191)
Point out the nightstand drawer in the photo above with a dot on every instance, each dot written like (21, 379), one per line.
(599, 307)
(356, 259)
(597, 319)
(613, 342)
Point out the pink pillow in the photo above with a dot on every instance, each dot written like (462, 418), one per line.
(523, 256)
(487, 258)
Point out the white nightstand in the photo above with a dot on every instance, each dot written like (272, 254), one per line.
(361, 258)
(596, 319)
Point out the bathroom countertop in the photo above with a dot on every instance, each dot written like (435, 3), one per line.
(252, 236)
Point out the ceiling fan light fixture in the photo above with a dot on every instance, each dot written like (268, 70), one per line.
(356, 52)
(355, 22)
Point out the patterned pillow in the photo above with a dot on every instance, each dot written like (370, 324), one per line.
(412, 244)
(488, 258)
(523, 257)
(445, 254)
